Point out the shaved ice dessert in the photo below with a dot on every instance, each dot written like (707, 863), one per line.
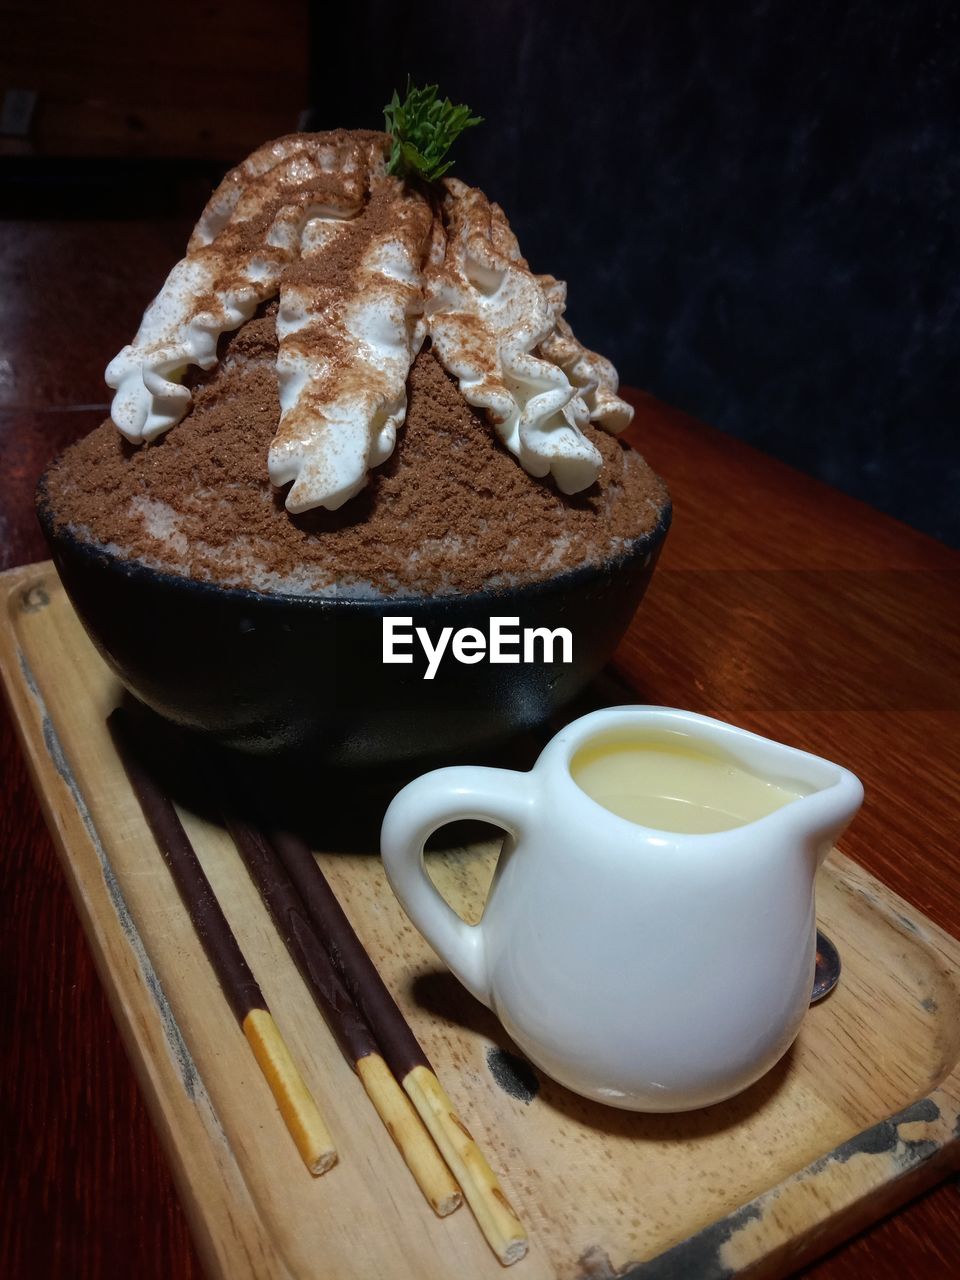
(353, 383)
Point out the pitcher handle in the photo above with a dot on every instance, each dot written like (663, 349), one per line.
(500, 796)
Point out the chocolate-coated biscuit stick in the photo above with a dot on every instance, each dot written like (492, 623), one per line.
(343, 1017)
(401, 1049)
(297, 1106)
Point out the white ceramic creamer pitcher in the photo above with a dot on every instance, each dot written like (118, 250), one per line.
(647, 969)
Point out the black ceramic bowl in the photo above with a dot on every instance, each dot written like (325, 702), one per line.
(302, 677)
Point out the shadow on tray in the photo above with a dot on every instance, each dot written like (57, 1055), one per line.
(441, 995)
(333, 810)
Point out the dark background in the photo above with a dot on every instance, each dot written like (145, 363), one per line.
(755, 205)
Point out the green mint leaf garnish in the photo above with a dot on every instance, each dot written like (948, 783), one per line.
(423, 128)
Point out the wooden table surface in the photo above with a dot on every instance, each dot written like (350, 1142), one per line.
(779, 604)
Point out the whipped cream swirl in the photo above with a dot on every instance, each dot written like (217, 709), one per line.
(365, 270)
(495, 326)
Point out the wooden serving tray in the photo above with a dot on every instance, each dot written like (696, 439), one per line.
(863, 1111)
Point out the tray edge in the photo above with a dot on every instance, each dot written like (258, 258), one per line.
(167, 1080)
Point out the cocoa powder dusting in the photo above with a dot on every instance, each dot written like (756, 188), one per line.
(450, 511)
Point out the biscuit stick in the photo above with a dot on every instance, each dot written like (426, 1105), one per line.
(343, 1018)
(297, 1106)
(401, 1049)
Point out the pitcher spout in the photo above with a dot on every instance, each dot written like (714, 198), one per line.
(827, 812)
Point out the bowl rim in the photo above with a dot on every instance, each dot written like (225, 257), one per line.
(139, 570)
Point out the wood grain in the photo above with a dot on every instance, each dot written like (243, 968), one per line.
(95, 1198)
(206, 80)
